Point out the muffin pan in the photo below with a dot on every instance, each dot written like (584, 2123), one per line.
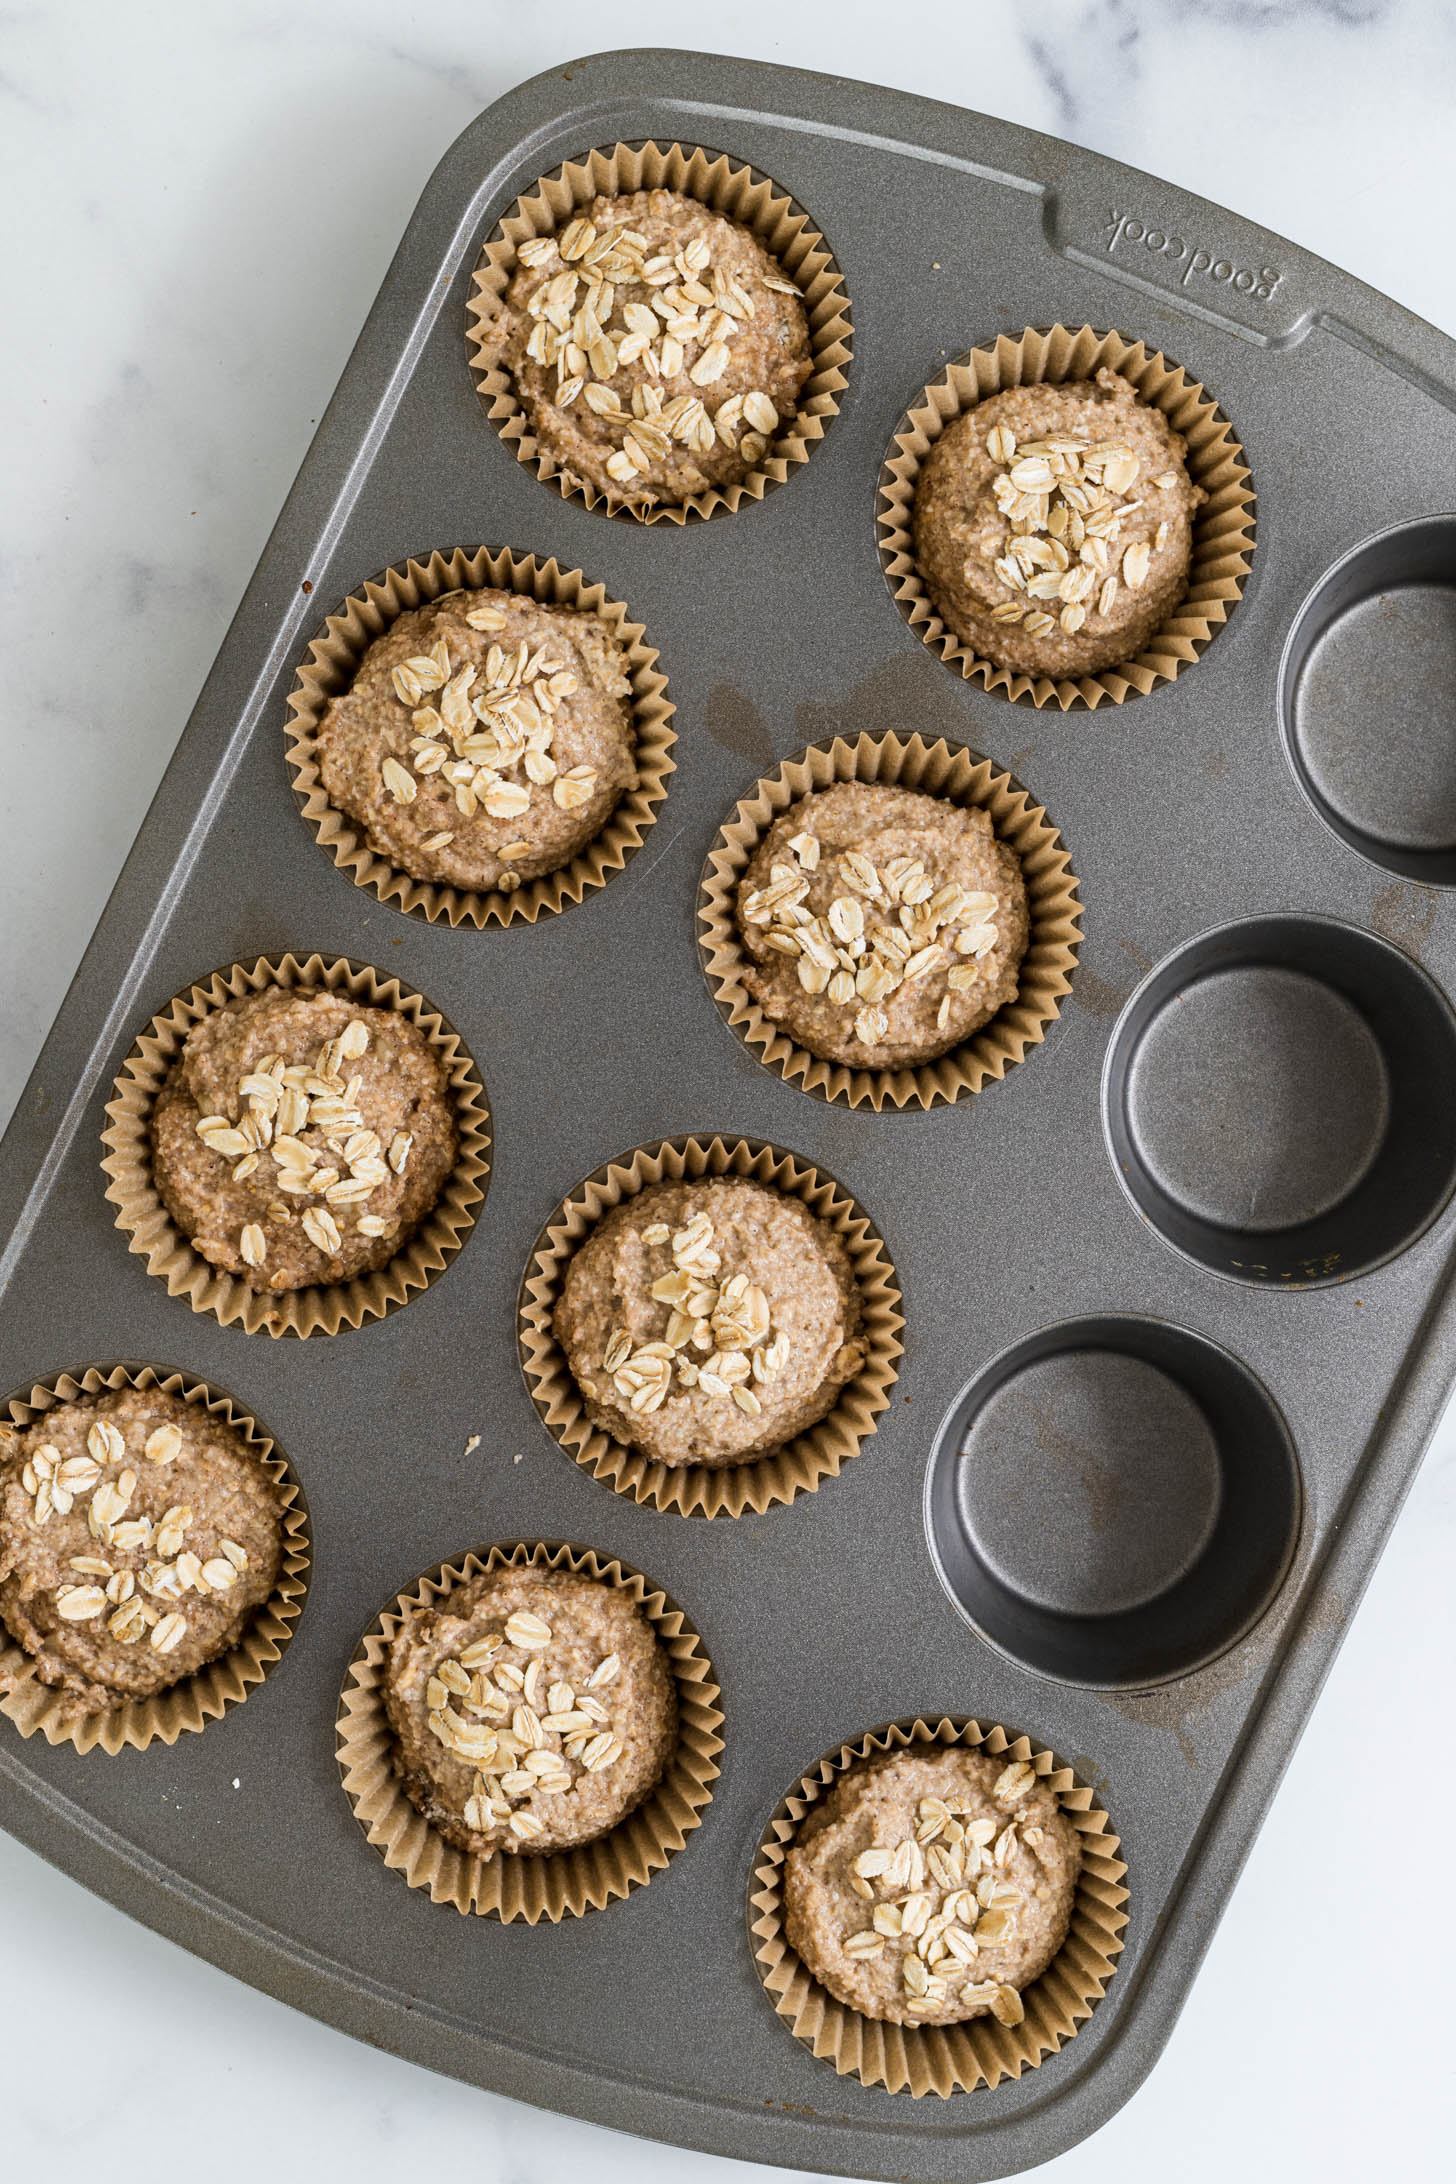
(1125, 1494)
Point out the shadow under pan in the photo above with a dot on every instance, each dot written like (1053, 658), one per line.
(1113, 1501)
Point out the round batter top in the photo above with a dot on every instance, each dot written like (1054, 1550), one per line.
(658, 349)
(708, 1323)
(1053, 525)
(883, 927)
(932, 1886)
(301, 1138)
(138, 1536)
(484, 739)
(533, 1710)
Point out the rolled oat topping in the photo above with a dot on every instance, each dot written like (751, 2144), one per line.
(533, 1709)
(485, 738)
(709, 1322)
(657, 346)
(300, 1138)
(933, 1886)
(138, 1534)
(874, 936)
(1053, 524)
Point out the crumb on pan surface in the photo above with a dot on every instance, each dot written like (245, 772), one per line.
(485, 738)
(301, 1138)
(1053, 525)
(883, 926)
(657, 347)
(139, 1534)
(710, 1322)
(532, 1710)
(932, 1886)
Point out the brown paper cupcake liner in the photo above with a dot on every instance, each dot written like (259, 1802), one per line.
(945, 2059)
(332, 663)
(1223, 528)
(569, 1882)
(190, 1705)
(325, 1307)
(727, 187)
(707, 1490)
(936, 768)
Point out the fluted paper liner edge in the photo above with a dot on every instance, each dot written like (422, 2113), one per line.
(324, 1307)
(725, 186)
(1223, 528)
(802, 1464)
(563, 1884)
(936, 768)
(332, 662)
(186, 1707)
(945, 2059)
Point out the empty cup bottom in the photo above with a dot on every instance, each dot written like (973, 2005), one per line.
(1113, 1501)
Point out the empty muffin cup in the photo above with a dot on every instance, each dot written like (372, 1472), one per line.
(1276, 1101)
(1113, 1501)
(1367, 699)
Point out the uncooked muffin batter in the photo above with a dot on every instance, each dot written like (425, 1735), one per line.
(657, 347)
(1053, 525)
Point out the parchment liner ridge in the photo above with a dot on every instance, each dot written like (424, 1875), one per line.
(569, 1882)
(326, 1307)
(727, 187)
(1223, 528)
(801, 1465)
(944, 2059)
(190, 1705)
(333, 661)
(936, 768)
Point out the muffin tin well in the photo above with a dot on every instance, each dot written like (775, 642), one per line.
(1113, 1501)
(1176, 1312)
(1277, 1100)
(1367, 699)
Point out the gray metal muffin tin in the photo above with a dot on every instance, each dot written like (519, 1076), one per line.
(1279, 1451)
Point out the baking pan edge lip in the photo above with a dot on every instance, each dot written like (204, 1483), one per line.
(1117, 2067)
(989, 2147)
(727, 87)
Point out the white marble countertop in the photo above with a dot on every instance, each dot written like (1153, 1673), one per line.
(202, 201)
